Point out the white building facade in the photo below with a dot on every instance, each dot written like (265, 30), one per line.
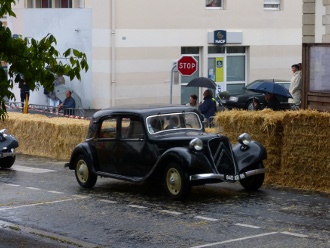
(131, 45)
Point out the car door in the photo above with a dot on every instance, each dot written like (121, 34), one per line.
(136, 155)
(106, 145)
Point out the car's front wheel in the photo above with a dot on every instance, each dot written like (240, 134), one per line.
(7, 162)
(177, 182)
(253, 182)
(83, 171)
(250, 105)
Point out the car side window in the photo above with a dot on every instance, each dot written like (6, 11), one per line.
(108, 128)
(131, 128)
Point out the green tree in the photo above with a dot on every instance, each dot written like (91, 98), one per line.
(37, 61)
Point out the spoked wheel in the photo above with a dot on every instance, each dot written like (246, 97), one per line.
(177, 184)
(254, 182)
(84, 174)
(7, 162)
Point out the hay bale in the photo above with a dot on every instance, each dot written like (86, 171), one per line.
(305, 159)
(40, 135)
(297, 144)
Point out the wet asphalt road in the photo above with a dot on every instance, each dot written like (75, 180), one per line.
(42, 205)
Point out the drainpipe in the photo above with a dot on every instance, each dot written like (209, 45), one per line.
(81, 4)
(113, 53)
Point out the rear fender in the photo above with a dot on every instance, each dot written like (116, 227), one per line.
(250, 154)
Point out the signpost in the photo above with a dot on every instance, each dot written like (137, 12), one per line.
(187, 65)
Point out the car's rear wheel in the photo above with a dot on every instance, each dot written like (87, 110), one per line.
(254, 182)
(7, 162)
(177, 183)
(83, 172)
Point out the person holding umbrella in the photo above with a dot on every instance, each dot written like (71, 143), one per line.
(208, 107)
(271, 102)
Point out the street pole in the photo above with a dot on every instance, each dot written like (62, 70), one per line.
(172, 75)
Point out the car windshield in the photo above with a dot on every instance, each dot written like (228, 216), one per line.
(165, 122)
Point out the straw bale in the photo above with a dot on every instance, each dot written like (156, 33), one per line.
(47, 137)
(297, 144)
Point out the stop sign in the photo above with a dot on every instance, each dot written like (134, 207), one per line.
(187, 65)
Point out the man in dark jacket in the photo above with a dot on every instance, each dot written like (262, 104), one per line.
(25, 91)
(208, 107)
(68, 105)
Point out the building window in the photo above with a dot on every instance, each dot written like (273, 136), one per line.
(48, 3)
(63, 4)
(214, 4)
(272, 4)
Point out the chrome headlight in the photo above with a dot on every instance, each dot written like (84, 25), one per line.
(196, 144)
(233, 98)
(244, 139)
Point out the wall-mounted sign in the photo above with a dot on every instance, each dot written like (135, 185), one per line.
(220, 37)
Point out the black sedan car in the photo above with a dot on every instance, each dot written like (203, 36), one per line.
(243, 98)
(167, 145)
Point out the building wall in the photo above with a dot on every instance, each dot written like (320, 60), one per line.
(134, 43)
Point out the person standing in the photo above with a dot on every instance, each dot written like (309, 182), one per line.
(68, 105)
(295, 86)
(193, 101)
(208, 107)
(24, 91)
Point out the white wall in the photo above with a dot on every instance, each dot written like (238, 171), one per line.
(72, 28)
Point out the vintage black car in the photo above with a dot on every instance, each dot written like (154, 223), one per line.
(165, 144)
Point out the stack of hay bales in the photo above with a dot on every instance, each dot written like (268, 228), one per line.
(297, 144)
(42, 136)
(305, 159)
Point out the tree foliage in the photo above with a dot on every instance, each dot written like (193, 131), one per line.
(36, 61)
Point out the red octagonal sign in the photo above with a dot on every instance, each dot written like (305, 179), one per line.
(187, 65)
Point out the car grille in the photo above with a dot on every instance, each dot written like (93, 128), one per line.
(221, 153)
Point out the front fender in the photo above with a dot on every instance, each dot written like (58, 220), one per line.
(82, 148)
(250, 154)
(191, 161)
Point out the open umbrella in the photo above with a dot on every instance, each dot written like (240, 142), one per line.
(202, 82)
(270, 87)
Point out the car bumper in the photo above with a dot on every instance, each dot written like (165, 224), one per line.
(212, 177)
(230, 105)
(10, 153)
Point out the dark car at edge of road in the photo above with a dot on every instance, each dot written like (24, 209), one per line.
(243, 98)
(164, 144)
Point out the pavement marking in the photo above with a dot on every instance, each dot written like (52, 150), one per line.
(13, 185)
(47, 235)
(205, 218)
(30, 169)
(108, 201)
(41, 203)
(55, 192)
(170, 212)
(137, 206)
(235, 240)
(33, 188)
(245, 225)
(295, 234)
